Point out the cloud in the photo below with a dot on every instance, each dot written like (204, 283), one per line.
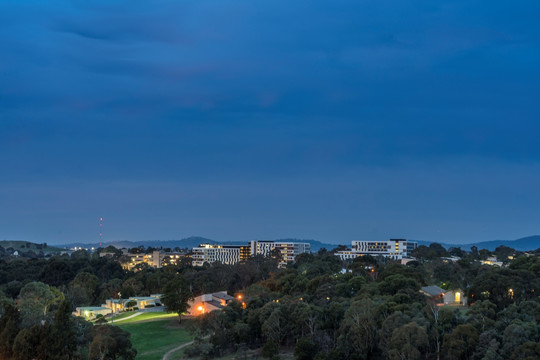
(235, 90)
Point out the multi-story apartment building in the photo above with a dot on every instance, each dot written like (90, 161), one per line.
(287, 250)
(156, 258)
(230, 254)
(393, 248)
(226, 254)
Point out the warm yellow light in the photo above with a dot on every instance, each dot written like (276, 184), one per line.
(200, 308)
(239, 297)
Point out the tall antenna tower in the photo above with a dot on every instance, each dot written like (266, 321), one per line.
(100, 231)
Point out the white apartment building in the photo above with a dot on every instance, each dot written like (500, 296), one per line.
(226, 254)
(231, 254)
(394, 248)
(288, 250)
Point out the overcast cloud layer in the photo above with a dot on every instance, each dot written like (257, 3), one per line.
(235, 120)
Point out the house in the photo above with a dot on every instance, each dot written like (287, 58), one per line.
(90, 312)
(492, 261)
(143, 302)
(146, 301)
(209, 302)
(115, 305)
(444, 297)
(433, 292)
(455, 297)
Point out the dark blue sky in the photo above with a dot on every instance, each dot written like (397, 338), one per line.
(235, 120)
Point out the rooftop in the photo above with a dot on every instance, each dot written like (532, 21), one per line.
(222, 296)
(92, 308)
(215, 303)
(433, 290)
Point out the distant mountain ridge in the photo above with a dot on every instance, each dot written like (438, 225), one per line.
(189, 242)
(527, 243)
(522, 244)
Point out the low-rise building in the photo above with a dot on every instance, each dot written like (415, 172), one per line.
(142, 302)
(209, 302)
(492, 261)
(444, 297)
(90, 312)
(433, 291)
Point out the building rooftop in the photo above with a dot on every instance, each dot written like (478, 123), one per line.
(433, 290)
(92, 308)
(116, 301)
(215, 303)
(142, 298)
(223, 296)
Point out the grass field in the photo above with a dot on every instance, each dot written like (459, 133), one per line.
(123, 315)
(145, 317)
(153, 334)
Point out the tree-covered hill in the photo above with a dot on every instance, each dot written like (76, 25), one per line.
(22, 247)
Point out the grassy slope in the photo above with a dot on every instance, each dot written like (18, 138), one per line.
(155, 334)
(122, 315)
(150, 317)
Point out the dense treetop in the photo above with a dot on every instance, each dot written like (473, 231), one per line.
(318, 307)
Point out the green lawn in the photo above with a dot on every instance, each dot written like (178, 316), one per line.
(155, 335)
(149, 317)
(122, 315)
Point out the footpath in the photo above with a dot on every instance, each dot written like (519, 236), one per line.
(129, 317)
(166, 356)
